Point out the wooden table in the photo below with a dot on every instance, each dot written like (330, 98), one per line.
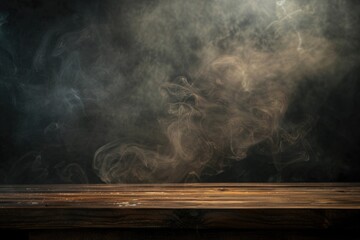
(217, 209)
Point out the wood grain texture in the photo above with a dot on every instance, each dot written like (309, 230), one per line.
(246, 206)
(184, 196)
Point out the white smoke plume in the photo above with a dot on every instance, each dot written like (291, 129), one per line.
(246, 60)
(174, 91)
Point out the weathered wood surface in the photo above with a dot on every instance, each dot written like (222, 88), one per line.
(241, 206)
(184, 196)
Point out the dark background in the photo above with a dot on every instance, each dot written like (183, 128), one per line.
(50, 136)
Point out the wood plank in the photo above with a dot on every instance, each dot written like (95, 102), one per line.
(198, 206)
(182, 218)
(184, 196)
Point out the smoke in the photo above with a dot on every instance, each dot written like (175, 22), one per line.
(249, 58)
(173, 91)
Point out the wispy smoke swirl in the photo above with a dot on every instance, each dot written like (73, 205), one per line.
(173, 91)
(236, 96)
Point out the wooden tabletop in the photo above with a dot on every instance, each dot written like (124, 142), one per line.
(184, 196)
(196, 206)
